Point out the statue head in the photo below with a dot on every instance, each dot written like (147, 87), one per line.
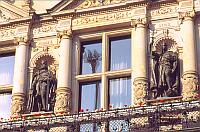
(164, 47)
(44, 64)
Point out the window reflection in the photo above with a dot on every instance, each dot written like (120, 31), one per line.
(120, 92)
(90, 96)
(91, 52)
(5, 105)
(6, 69)
(120, 52)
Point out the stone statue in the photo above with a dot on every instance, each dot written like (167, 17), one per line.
(165, 73)
(42, 91)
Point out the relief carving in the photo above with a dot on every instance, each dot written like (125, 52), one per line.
(164, 11)
(95, 3)
(44, 29)
(63, 100)
(17, 106)
(190, 89)
(105, 17)
(140, 91)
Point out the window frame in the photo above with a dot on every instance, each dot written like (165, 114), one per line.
(105, 74)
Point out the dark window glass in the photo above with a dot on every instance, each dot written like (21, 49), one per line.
(120, 53)
(90, 96)
(5, 104)
(91, 53)
(6, 69)
(120, 92)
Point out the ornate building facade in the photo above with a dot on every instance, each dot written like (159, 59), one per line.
(98, 54)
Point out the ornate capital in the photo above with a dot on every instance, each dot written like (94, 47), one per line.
(17, 107)
(186, 15)
(140, 22)
(190, 88)
(140, 90)
(63, 100)
(21, 40)
(64, 34)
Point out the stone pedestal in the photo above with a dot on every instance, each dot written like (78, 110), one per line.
(139, 64)
(63, 93)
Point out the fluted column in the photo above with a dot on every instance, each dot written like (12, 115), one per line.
(63, 92)
(20, 77)
(190, 76)
(139, 61)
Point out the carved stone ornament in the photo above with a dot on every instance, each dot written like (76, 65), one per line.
(140, 91)
(186, 15)
(190, 89)
(21, 40)
(17, 106)
(95, 3)
(64, 34)
(139, 21)
(63, 100)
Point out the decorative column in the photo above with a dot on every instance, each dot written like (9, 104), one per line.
(190, 76)
(20, 77)
(139, 61)
(63, 92)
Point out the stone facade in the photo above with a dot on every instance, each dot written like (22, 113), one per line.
(57, 33)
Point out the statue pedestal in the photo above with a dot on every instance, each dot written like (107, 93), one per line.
(163, 100)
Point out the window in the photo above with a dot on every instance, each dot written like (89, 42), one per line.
(120, 92)
(5, 105)
(111, 59)
(120, 53)
(91, 57)
(6, 69)
(90, 96)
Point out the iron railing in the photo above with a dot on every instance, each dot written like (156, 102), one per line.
(161, 117)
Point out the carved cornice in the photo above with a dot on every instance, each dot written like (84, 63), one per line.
(64, 34)
(186, 15)
(139, 22)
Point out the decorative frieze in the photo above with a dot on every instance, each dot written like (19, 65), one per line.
(190, 90)
(164, 11)
(104, 17)
(63, 100)
(17, 106)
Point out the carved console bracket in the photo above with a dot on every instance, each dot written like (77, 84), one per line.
(190, 89)
(63, 100)
(17, 107)
(140, 90)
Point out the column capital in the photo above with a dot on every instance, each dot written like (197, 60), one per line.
(139, 22)
(64, 34)
(22, 40)
(186, 15)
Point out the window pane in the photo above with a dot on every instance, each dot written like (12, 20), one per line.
(5, 105)
(91, 57)
(90, 96)
(120, 92)
(6, 69)
(120, 53)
